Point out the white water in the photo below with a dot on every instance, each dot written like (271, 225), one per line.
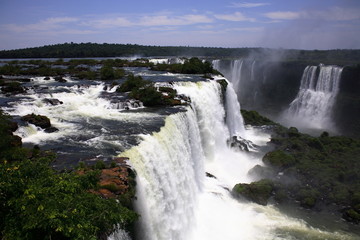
(235, 75)
(175, 199)
(80, 105)
(312, 107)
(234, 120)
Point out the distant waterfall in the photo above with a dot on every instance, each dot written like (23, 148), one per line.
(312, 107)
(236, 70)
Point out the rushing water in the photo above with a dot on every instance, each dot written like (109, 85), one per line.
(175, 198)
(312, 107)
(171, 151)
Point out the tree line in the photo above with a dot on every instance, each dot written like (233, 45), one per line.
(89, 50)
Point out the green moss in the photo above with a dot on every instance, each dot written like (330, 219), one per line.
(258, 192)
(279, 159)
(255, 119)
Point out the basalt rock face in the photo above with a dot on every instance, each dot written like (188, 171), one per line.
(346, 108)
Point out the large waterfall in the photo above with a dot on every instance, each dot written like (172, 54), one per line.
(312, 107)
(176, 198)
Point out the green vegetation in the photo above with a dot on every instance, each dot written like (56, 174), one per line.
(107, 72)
(145, 91)
(255, 119)
(315, 171)
(191, 66)
(258, 192)
(36, 202)
(90, 50)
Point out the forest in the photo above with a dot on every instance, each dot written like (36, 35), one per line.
(87, 50)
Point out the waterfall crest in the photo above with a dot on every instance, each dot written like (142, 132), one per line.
(312, 107)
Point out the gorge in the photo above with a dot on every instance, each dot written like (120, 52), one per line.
(185, 166)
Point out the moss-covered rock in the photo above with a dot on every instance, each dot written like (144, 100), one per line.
(255, 119)
(258, 192)
(223, 83)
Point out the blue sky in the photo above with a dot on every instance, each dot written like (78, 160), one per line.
(300, 24)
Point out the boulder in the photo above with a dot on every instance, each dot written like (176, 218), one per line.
(52, 101)
(13, 88)
(60, 79)
(37, 120)
(51, 129)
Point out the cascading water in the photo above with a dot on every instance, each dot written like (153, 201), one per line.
(175, 198)
(236, 70)
(234, 120)
(312, 107)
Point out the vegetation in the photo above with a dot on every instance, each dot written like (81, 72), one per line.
(258, 192)
(315, 171)
(82, 50)
(255, 119)
(191, 66)
(36, 202)
(145, 91)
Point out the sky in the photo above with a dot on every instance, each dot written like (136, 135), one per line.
(294, 24)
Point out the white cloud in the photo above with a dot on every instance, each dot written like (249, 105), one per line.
(283, 15)
(245, 29)
(164, 20)
(248, 5)
(235, 17)
(110, 23)
(44, 25)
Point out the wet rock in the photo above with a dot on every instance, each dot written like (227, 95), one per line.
(60, 79)
(47, 78)
(52, 101)
(37, 120)
(51, 129)
(210, 175)
(12, 88)
(242, 144)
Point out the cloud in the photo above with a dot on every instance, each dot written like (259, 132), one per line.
(248, 5)
(283, 15)
(245, 29)
(110, 23)
(164, 20)
(235, 17)
(44, 25)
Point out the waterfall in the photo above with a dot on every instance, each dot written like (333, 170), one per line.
(253, 70)
(234, 120)
(236, 70)
(175, 198)
(312, 107)
(216, 64)
(170, 173)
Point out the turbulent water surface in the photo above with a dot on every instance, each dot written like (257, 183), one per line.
(171, 150)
